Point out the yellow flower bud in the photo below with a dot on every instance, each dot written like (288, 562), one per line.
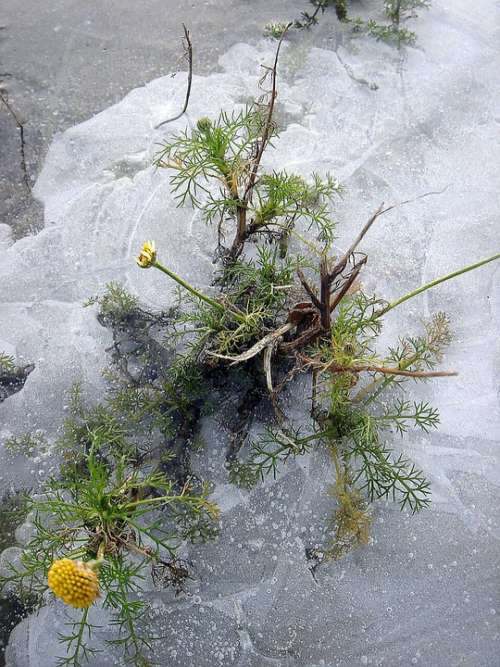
(73, 581)
(147, 256)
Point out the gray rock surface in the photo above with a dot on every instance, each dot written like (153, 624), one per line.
(63, 61)
(427, 590)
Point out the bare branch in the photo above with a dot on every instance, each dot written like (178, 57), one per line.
(349, 281)
(304, 339)
(341, 264)
(267, 127)
(242, 231)
(189, 53)
(308, 289)
(20, 127)
(258, 347)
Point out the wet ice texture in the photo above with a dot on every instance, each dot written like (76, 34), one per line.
(427, 591)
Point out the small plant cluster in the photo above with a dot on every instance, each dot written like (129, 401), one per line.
(7, 364)
(12, 376)
(307, 20)
(393, 31)
(12, 609)
(111, 518)
(304, 313)
(283, 303)
(226, 153)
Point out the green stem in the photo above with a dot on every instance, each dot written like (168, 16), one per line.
(315, 436)
(378, 385)
(159, 543)
(301, 238)
(164, 499)
(149, 501)
(195, 292)
(435, 282)
(79, 636)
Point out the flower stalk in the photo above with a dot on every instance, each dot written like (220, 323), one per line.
(148, 258)
(435, 282)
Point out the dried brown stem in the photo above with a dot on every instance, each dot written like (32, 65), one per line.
(349, 281)
(243, 231)
(325, 294)
(333, 367)
(258, 347)
(268, 125)
(20, 127)
(189, 53)
(342, 263)
(268, 353)
(308, 289)
(307, 337)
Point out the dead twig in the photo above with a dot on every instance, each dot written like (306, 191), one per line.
(291, 375)
(268, 353)
(348, 283)
(309, 336)
(269, 121)
(258, 347)
(189, 54)
(20, 127)
(308, 289)
(341, 264)
(242, 229)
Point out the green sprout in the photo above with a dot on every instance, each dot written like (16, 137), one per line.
(275, 29)
(397, 12)
(7, 364)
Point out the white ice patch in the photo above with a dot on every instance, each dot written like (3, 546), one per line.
(422, 593)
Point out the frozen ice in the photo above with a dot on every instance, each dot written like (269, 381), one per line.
(427, 590)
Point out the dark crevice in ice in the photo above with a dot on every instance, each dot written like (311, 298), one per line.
(13, 380)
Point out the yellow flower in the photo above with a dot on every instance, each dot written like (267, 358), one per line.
(147, 256)
(73, 581)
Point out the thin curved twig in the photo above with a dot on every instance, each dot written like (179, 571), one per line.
(20, 127)
(189, 53)
(268, 124)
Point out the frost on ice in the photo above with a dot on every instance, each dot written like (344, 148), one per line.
(427, 590)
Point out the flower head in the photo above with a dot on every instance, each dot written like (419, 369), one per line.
(204, 124)
(73, 581)
(147, 256)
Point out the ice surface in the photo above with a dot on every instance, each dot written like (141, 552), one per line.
(427, 591)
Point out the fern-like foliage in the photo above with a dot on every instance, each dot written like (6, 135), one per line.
(216, 168)
(397, 12)
(353, 419)
(220, 150)
(104, 503)
(7, 364)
